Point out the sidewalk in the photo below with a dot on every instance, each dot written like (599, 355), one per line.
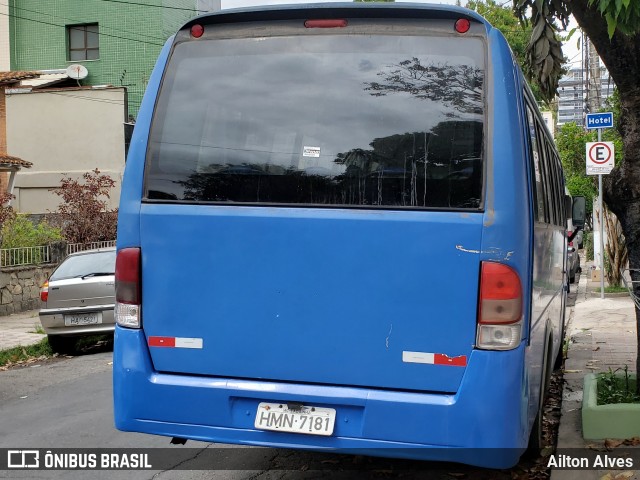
(602, 335)
(19, 329)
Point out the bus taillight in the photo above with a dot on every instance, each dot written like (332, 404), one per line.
(462, 25)
(329, 23)
(127, 310)
(500, 307)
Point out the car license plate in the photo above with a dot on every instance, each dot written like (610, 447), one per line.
(284, 417)
(82, 319)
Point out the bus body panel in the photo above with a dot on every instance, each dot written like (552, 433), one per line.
(484, 414)
(323, 296)
(429, 411)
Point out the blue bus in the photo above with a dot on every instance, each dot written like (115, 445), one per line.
(342, 227)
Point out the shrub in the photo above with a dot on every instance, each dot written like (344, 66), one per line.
(588, 245)
(21, 232)
(83, 215)
(6, 210)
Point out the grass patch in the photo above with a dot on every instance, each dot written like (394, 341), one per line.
(612, 289)
(37, 328)
(21, 354)
(617, 388)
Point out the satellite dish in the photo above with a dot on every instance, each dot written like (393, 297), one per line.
(77, 71)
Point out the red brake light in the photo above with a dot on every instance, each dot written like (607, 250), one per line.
(500, 294)
(197, 31)
(568, 235)
(462, 25)
(44, 292)
(337, 23)
(128, 276)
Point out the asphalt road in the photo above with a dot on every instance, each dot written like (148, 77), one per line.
(66, 403)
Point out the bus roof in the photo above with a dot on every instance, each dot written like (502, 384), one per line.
(346, 9)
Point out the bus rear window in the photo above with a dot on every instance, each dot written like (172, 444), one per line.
(325, 120)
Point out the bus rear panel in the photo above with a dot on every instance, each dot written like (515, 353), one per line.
(325, 238)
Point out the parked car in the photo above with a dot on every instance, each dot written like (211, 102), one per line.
(79, 298)
(574, 263)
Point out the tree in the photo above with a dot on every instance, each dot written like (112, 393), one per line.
(570, 141)
(614, 29)
(500, 16)
(83, 215)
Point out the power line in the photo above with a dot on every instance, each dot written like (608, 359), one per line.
(79, 21)
(90, 99)
(64, 26)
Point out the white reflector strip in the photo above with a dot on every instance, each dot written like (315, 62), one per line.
(434, 359)
(188, 342)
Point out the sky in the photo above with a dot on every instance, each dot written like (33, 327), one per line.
(569, 49)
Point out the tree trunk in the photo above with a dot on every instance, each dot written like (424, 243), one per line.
(621, 188)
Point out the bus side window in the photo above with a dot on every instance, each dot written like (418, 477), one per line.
(536, 165)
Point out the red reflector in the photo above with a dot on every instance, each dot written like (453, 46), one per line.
(197, 31)
(325, 23)
(162, 341)
(500, 294)
(462, 25)
(442, 359)
(128, 276)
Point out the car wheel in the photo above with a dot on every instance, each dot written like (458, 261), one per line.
(60, 344)
(572, 279)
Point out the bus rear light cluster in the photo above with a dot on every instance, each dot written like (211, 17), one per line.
(128, 279)
(499, 308)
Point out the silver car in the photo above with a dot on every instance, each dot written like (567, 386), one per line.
(79, 297)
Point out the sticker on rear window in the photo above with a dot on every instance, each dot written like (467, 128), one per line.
(311, 152)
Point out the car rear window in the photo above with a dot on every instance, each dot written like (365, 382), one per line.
(86, 264)
(371, 120)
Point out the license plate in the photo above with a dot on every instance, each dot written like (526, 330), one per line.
(284, 417)
(82, 319)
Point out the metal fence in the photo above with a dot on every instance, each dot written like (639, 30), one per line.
(16, 257)
(629, 283)
(79, 247)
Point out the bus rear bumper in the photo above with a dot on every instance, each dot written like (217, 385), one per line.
(483, 424)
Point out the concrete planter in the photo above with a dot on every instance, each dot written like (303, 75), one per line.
(620, 420)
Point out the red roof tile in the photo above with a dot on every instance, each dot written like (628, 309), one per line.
(9, 160)
(13, 77)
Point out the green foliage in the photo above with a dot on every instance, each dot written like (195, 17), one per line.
(21, 232)
(623, 15)
(571, 140)
(614, 388)
(614, 289)
(587, 240)
(500, 16)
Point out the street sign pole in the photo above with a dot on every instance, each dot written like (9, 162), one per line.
(601, 226)
(600, 160)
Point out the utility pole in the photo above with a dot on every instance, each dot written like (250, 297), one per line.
(595, 88)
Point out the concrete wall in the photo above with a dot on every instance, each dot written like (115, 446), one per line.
(20, 288)
(66, 131)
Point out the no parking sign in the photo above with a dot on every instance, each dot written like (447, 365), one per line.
(600, 158)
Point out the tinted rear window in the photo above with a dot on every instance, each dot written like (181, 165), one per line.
(333, 120)
(86, 264)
